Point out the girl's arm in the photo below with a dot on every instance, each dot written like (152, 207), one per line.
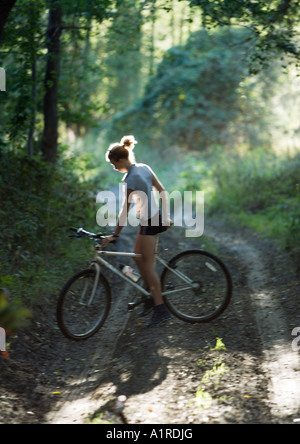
(123, 213)
(121, 220)
(163, 198)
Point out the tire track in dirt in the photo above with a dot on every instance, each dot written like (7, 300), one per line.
(77, 401)
(161, 373)
(280, 362)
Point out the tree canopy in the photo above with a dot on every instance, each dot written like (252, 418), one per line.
(273, 24)
(77, 64)
(197, 97)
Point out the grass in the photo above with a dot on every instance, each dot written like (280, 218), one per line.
(36, 253)
(215, 369)
(257, 189)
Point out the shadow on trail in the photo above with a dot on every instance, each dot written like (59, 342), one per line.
(165, 364)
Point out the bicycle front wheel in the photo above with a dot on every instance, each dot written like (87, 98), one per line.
(81, 309)
(197, 286)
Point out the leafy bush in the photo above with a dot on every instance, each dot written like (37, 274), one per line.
(38, 204)
(257, 189)
(12, 316)
(197, 98)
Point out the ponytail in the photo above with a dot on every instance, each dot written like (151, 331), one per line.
(122, 150)
(128, 142)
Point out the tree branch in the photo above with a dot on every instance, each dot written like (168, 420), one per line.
(86, 28)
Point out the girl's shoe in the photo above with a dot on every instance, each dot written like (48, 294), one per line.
(148, 305)
(160, 314)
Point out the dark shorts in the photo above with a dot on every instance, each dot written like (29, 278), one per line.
(153, 228)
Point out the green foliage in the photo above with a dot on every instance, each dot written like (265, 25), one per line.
(256, 189)
(203, 399)
(200, 97)
(196, 99)
(106, 47)
(12, 315)
(19, 51)
(38, 204)
(23, 55)
(214, 368)
(220, 346)
(93, 8)
(33, 195)
(273, 25)
(124, 59)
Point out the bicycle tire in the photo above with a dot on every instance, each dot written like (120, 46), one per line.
(76, 319)
(212, 296)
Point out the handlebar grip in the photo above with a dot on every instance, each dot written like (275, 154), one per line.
(80, 232)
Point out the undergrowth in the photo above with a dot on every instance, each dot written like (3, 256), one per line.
(39, 202)
(256, 189)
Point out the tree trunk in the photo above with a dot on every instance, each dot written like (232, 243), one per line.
(33, 19)
(30, 139)
(152, 38)
(50, 133)
(5, 7)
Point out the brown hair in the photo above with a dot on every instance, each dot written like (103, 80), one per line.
(122, 150)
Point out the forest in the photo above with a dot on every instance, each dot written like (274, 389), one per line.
(210, 89)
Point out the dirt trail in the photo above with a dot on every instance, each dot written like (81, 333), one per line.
(173, 374)
(77, 401)
(280, 362)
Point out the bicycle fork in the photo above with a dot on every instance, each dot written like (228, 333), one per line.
(95, 284)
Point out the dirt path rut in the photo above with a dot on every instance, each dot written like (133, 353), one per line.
(280, 362)
(176, 373)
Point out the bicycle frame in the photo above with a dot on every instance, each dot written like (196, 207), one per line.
(98, 261)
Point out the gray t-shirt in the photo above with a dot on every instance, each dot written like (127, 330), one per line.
(139, 179)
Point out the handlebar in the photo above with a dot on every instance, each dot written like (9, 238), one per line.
(80, 232)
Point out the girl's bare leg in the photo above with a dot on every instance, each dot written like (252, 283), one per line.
(146, 246)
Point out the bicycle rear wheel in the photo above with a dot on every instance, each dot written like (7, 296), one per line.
(208, 292)
(78, 316)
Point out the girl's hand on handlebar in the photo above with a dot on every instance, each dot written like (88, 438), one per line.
(107, 240)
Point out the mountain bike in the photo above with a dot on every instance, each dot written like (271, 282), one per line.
(196, 288)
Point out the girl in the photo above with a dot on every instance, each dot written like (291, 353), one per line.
(140, 181)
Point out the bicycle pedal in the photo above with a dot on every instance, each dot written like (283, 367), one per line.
(131, 306)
